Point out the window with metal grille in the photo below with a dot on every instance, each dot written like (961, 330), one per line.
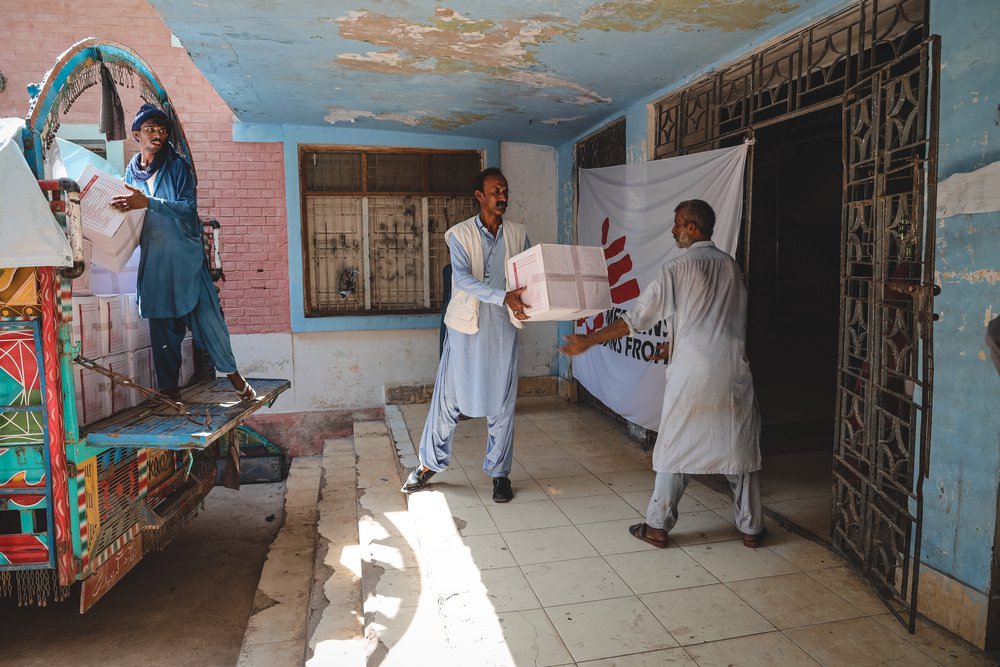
(604, 148)
(374, 223)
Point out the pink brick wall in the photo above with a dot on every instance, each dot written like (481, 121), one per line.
(240, 184)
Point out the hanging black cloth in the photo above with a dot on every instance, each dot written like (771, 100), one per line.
(112, 116)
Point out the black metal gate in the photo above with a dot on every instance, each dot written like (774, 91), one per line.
(885, 364)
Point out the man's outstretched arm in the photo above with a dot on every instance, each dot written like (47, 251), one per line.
(579, 343)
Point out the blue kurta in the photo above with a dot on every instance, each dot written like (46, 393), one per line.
(481, 363)
(477, 375)
(172, 258)
(174, 287)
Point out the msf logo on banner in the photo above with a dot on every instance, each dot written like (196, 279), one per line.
(623, 289)
(619, 265)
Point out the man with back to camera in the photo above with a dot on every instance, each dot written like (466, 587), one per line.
(477, 374)
(175, 290)
(709, 423)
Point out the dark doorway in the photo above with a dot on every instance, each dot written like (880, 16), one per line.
(794, 302)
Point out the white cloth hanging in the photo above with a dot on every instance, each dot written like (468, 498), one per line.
(31, 236)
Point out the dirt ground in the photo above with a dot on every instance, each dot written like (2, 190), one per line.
(186, 605)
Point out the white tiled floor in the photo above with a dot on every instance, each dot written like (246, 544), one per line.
(554, 578)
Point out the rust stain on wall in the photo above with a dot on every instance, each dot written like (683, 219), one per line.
(454, 121)
(450, 43)
(482, 43)
(415, 119)
(981, 276)
(688, 15)
(506, 49)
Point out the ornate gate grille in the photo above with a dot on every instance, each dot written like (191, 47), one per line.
(804, 72)
(876, 59)
(885, 368)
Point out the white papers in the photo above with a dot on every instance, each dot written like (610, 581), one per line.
(115, 235)
(974, 192)
(98, 189)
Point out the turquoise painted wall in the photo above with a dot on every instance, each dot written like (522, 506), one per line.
(960, 508)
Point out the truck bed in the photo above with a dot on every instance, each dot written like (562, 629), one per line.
(213, 410)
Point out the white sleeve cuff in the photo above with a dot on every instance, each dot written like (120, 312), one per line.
(628, 321)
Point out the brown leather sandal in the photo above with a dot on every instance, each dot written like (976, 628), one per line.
(754, 541)
(638, 531)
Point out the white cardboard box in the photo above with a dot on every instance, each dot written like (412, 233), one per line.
(86, 327)
(564, 282)
(141, 371)
(89, 387)
(105, 281)
(136, 328)
(112, 324)
(117, 397)
(114, 234)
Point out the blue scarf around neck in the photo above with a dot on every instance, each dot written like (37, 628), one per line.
(142, 175)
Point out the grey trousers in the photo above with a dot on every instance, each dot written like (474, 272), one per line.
(669, 487)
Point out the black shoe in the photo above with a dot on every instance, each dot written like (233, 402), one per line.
(502, 493)
(417, 480)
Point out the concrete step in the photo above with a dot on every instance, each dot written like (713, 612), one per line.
(336, 624)
(362, 535)
(276, 632)
(377, 599)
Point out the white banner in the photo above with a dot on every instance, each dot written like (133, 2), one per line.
(629, 211)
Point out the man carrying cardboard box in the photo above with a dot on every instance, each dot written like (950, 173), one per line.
(709, 423)
(477, 375)
(175, 290)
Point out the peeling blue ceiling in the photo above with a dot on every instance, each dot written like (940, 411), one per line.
(510, 70)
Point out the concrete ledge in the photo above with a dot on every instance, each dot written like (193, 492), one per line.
(411, 394)
(567, 390)
(971, 614)
(546, 385)
(405, 450)
(336, 625)
(304, 433)
(276, 631)
(408, 394)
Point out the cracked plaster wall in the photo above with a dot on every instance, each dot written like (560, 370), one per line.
(960, 507)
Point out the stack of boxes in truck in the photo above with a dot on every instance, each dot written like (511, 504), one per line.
(110, 332)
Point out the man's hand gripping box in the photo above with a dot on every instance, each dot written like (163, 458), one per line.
(564, 282)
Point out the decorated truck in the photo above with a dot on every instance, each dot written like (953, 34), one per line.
(96, 467)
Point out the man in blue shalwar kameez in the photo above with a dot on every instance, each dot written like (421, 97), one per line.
(175, 290)
(477, 375)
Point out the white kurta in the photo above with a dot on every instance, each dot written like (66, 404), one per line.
(710, 423)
